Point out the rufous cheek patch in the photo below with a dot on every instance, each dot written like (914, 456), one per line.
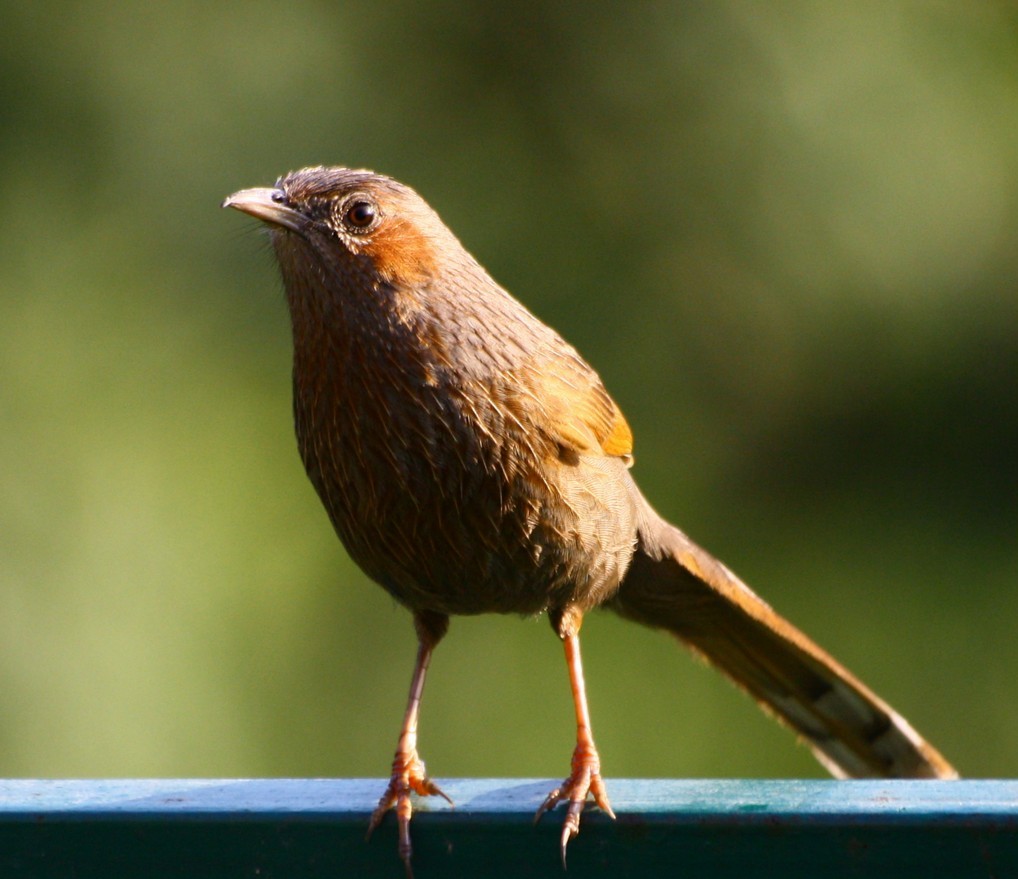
(401, 253)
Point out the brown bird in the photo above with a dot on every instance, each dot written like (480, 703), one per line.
(472, 462)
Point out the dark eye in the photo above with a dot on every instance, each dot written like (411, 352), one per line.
(361, 215)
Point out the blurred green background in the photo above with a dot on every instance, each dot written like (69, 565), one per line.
(783, 233)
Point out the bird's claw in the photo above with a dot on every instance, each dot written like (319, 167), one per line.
(408, 776)
(584, 780)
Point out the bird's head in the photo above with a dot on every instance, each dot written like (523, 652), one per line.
(350, 222)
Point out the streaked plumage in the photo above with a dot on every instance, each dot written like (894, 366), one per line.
(471, 461)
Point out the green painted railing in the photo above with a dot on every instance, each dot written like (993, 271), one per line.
(297, 829)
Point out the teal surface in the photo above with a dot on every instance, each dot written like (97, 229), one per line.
(297, 828)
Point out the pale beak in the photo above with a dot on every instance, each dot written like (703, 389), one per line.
(268, 205)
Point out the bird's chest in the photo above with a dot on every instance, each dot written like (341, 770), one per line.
(377, 444)
(434, 489)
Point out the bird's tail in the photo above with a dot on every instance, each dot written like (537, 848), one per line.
(674, 585)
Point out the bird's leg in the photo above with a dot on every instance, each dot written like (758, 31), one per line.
(408, 772)
(585, 775)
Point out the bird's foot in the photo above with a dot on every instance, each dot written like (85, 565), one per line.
(408, 776)
(585, 779)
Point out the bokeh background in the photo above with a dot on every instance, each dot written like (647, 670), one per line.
(784, 234)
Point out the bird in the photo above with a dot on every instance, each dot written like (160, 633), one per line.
(471, 461)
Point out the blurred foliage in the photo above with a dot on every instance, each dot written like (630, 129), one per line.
(784, 233)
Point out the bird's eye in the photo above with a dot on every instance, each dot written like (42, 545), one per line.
(360, 215)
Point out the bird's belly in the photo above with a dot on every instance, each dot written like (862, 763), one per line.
(458, 542)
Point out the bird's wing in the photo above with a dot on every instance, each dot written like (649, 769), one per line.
(565, 399)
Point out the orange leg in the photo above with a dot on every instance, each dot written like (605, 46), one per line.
(408, 774)
(585, 775)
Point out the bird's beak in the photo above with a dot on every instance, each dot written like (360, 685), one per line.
(267, 205)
